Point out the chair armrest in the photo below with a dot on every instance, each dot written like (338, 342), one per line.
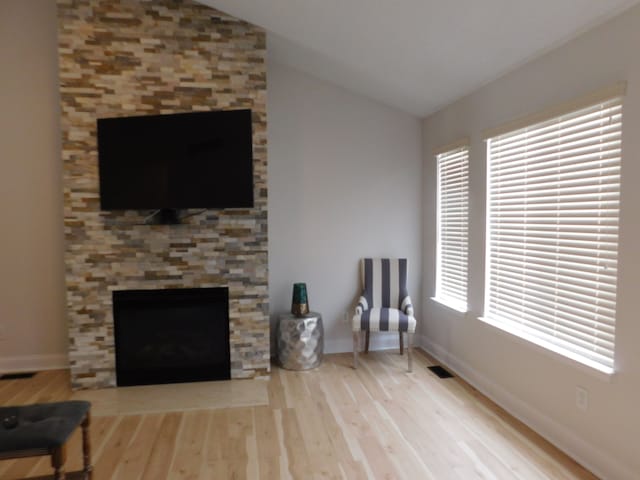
(362, 305)
(406, 306)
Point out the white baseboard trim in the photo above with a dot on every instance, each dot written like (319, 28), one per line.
(377, 341)
(25, 363)
(566, 440)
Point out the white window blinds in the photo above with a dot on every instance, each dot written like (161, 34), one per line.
(453, 221)
(552, 232)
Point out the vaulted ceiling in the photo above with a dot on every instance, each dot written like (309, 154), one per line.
(416, 55)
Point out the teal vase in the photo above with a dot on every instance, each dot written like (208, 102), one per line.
(299, 302)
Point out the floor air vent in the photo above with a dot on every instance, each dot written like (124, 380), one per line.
(440, 371)
(14, 376)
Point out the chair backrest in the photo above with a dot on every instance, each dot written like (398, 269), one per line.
(384, 281)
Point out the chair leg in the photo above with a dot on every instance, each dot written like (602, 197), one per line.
(366, 341)
(356, 347)
(401, 343)
(409, 353)
(58, 457)
(86, 448)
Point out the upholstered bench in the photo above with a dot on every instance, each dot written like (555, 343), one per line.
(44, 429)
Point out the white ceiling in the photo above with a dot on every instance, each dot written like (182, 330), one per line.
(416, 55)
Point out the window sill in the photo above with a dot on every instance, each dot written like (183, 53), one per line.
(552, 351)
(450, 305)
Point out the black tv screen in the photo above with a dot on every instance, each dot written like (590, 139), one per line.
(176, 161)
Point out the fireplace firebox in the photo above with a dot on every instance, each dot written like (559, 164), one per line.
(171, 335)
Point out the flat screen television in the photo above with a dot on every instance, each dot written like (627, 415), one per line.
(176, 161)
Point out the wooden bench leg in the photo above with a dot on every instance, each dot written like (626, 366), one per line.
(58, 457)
(366, 341)
(401, 343)
(86, 448)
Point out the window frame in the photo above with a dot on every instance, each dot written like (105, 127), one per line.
(440, 295)
(531, 122)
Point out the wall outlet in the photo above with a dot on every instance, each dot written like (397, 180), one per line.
(582, 399)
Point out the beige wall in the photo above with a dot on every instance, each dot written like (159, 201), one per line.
(31, 245)
(535, 385)
(344, 183)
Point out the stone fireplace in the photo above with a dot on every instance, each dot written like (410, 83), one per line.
(137, 57)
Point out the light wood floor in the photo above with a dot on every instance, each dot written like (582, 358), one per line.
(333, 422)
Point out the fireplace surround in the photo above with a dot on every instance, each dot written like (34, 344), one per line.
(150, 58)
(171, 335)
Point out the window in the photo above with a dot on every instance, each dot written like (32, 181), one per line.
(552, 232)
(453, 221)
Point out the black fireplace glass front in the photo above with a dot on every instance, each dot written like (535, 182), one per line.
(171, 335)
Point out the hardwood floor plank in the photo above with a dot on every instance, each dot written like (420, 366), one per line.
(163, 447)
(323, 459)
(352, 470)
(267, 442)
(230, 439)
(190, 452)
(135, 458)
(219, 448)
(379, 462)
(18, 469)
(365, 376)
(403, 454)
(275, 391)
(27, 390)
(241, 432)
(297, 456)
(5, 385)
(115, 448)
(324, 411)
(59, 390)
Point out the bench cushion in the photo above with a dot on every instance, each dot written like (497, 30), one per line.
(41, 426)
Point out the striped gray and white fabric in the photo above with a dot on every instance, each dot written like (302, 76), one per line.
(385, 304)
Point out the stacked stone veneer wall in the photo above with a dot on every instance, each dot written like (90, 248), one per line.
(134, 57)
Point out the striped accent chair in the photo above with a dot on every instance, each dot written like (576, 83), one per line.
(385, 305)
